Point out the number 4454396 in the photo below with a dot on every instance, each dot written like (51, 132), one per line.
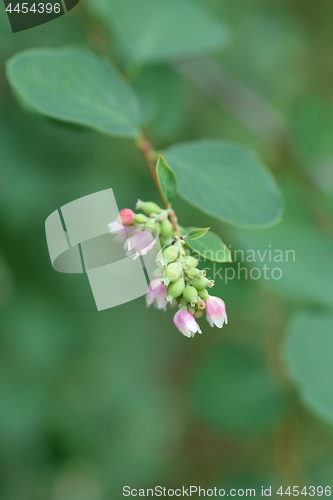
(39, 8)
(310, 491)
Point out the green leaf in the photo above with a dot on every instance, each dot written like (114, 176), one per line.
(157, 31)
(76, 86)
(167, 179)
(164, 96)
(233, 392)
(298, 255)
(209, 246)
(197, 233)
(226, 181)
(308, 353)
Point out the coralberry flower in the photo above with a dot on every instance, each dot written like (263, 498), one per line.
(215, 312)
(177, 277)
(157, 294)
(186, 323)
(139, 244)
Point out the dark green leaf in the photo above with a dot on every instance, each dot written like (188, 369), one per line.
(76, 86)
(157, 31)
(167, 179)
(298, 255)
(209, 246)
(308, 352)
(164, 101)
(233, 392)
(197, 233)
(226, 181)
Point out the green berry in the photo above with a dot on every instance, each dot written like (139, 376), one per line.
(150, 223)
(198, 313)
(200, 283)
(183, 302)
(166, 229)
(193, 272)
(203, 294)
(176, 288)
(158, 228)
(149, 207)
(140, 218)
(190, 293)
(173, 271)
(191, 262)
(170, 253)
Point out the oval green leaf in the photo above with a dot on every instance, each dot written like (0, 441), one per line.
(150, 31)
(226, 181)
(197, 233)
(75, 85)
(308, 353)
(166, 179)
(209, 246)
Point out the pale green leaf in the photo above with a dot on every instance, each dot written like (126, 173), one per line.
(76, 86)
(209, 246)
(197, 233)
(226, 181)
(167, 179)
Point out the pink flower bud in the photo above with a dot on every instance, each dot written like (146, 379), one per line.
(215, 312)
(157, 294)
(126, 216)
(186, 323)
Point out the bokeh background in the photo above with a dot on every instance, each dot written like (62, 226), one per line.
(92, 401)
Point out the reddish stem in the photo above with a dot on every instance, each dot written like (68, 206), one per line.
(148, 151)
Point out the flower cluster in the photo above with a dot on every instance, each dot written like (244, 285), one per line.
(180, 280)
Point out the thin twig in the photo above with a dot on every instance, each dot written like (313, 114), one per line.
(148, 151)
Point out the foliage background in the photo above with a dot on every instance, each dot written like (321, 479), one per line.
(93, 401)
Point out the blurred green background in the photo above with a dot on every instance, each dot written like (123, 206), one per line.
(92, 401)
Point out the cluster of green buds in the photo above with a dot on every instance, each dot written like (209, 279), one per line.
(156, 218)
(186, 284)
(179, 278)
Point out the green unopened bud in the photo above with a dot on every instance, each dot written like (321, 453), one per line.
(176, 288)
(158, 228)
(166, 229)
(193, 272)
(200, 283)
(150, 223)
(190, 294)
(191, 262)
(198, 313)
(203, 294)
(148, 207)
(170, 253)
(140, 218)
(173, 271)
